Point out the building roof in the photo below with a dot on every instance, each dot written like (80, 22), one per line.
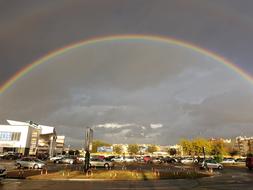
(44, 129)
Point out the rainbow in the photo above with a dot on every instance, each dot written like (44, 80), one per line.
(163, 39)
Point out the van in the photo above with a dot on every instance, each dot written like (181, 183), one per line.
(249, 162)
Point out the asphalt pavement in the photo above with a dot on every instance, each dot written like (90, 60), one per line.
(230, 178)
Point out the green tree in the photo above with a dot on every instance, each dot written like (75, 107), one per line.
(133, 148)
(152, 148)
(187, 146)
(118, 149)
(98, 143)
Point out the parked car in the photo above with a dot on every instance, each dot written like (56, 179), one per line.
(169, 160)
(228, 161)
(118, 159)
(189, 161)
(211, 164)
(3, 172)
(96, 162)
(249, 162)
(240, 160)
(58, 157)
(146, 159)
(11, 156)
(155, 160)
(130, 159)
(66, 160)
(28, 162)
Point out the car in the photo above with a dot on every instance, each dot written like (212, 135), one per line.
(155, 160)
(66, 160)
(29, 162)
(228, 161)
(58, 157)
(211, 164)
(169, 160)
(118, 159)
(249, 162)
(130, 159)
(147, 159)
(189, 161)
(96, 162)
(11, 156)
(240, 160)
(3, 172)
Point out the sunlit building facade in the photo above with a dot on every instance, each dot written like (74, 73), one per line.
(27, 138)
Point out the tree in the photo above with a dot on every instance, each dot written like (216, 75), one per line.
(118, 149)
(187, 146)
(152, 148)
(172, 151)
(97, 143)
(217, 148)
(133, 148)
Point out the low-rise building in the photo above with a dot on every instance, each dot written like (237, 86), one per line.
(27, 138)
(244, 145)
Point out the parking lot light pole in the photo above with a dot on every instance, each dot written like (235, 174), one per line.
(88, 148)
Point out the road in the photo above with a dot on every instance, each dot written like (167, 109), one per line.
(229, 178)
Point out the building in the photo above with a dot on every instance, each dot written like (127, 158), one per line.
(27, 138)
(60, 143)
(244, 145)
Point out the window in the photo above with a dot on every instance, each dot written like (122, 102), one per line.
(9, 136)
(5, 136)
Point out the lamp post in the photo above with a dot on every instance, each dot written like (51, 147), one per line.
(88, 148)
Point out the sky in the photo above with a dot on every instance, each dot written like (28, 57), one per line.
(129, 91)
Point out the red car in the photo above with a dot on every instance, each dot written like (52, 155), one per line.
(249, 162)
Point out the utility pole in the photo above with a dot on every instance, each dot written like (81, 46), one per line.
(88, 148)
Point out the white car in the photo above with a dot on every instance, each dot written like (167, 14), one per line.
(130, 159)
(189, 161)
(228, 161)
(211, 164)
(56, 157)
(118, 159)
(3, 172)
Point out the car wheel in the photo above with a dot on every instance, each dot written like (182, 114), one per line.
(106, 166)
(36, 166)
(18, 166)
(250, 168)
(220, 167)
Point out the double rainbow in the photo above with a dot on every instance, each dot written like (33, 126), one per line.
(90, 41)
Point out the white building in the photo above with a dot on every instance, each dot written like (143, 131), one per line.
(60, 143)
(27, 138)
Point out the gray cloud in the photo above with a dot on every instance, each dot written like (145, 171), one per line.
(128, 88)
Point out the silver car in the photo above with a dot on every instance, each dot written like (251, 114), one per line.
(211, 164)
(96, 162)
(27, 162)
